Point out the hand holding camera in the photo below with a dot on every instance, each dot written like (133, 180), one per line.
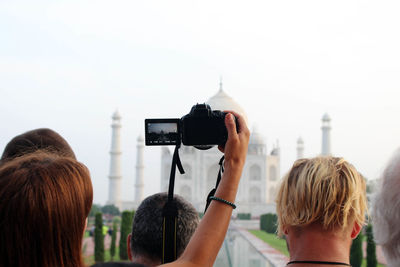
(235, 148)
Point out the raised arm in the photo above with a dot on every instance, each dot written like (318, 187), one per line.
(203, 247)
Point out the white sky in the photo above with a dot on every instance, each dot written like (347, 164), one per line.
(68, 65)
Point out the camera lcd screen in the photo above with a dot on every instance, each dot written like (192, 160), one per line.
(161, 132)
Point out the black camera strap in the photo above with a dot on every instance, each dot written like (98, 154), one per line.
(212, 192)
(170, 213)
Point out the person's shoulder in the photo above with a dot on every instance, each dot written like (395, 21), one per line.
(118, 264)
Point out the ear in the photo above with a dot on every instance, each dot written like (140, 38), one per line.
(128, 241)
(285, 230)
(356, 230)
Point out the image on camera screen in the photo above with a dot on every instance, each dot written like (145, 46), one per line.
(161, 132)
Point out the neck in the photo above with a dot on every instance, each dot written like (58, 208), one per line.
(311, 243)
(145, 261)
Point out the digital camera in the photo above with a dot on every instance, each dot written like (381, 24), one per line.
(202, 128)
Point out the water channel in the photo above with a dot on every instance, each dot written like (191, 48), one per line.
(236, 251)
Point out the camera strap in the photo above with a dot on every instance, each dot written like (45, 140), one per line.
(170, 213)
(212, 192)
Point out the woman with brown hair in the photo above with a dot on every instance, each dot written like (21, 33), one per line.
(44, 202)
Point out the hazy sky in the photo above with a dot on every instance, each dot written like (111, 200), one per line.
(68, 65)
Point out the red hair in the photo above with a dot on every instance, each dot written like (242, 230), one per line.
(44, 202)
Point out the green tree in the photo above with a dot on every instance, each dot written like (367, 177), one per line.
(98, 238)
(371, 248)
(356, 254)
(268, 223)
(117, 219)
(113, 239)
(95, 209)
(126, 224)
(110, 209)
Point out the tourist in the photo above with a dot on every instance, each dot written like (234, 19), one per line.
(386, 212)
(145, 241)
(321, 208)
(45, 200)
(38, 139)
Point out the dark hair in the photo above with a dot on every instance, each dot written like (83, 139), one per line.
(38, 139)
(146, 237)
(44, 202)
(118, 264)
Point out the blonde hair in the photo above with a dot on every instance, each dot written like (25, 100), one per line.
(324, 190)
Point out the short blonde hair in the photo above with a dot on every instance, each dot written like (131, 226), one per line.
(324, 190)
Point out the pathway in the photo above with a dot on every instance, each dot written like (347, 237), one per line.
(274, 256)
(88, 244)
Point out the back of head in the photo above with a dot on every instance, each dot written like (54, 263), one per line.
(324, 190)
(386, 212)
(146, 240)
(117, 264)
(45, 200)
(38, 139)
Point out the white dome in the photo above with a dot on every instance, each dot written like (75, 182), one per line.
(222, 101)
(256, 138)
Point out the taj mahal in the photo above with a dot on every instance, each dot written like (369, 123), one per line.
(258, 184)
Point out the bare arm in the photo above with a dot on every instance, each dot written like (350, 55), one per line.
(203, 247)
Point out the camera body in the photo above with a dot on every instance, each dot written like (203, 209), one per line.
(202, 127)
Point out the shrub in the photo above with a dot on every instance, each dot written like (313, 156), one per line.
(113, 239)
(356, 254)
(99, 239)
(126, 224)
(268, 223)
(371, 248)
(244, 216)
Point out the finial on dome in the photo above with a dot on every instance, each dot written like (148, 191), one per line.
(220, 83)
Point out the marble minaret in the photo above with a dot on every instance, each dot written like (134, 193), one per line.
(139, 170)
(300, 148)
(115, 177)
(326, 135)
